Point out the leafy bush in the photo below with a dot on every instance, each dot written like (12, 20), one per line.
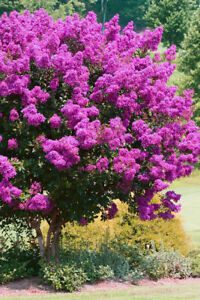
(17, 263)
(105, 272)
(194, 256)
(129, 230)
(135, 276)
(167, 264)
(98, 263)
(63, 276)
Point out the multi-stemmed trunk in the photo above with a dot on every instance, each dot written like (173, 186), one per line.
(48, 243)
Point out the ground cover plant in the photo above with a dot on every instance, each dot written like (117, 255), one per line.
(87, 117)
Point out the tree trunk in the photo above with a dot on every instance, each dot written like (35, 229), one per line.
(104, 4)
(49, 248)
(35, 223)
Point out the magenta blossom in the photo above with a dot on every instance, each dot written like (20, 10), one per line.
(55, 121)
(12, 144)
(13, 115)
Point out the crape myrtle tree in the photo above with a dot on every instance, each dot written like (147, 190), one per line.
(87, 118)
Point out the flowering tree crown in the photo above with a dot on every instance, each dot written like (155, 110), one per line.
(87, 117)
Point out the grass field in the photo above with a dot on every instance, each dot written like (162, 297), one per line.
(167, 292)
(189, 188)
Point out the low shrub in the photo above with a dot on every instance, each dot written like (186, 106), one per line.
(135, 276)
(136, 258)
(194, 256)
(104, 272)
(64, 277)
(18, 263)
(167, 264)
(98, 264)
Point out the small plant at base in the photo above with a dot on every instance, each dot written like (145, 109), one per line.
(91, 261)
(18, 263)
(194, 256)
(104, 272)
(64, 277)
(135, 276)
(167, 264)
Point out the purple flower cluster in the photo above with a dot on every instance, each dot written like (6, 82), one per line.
(118, 114)
(38, 202)
(34, 118)
(111, 211)
(8, 192)
(12, 144)
(83, 222)
(55, 121)
(14, 116)
(62, 153)
(35, 188)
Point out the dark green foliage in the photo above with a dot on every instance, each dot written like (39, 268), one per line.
(189, 59)
(174, 16)
(17, 263)
(98, 263)
(128, 10)
(10, 5)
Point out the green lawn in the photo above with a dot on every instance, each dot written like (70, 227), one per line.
(189, 187)
(183, 292)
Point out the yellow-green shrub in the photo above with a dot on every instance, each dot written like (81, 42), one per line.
(129, 229)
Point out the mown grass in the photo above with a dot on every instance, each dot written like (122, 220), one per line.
(189, 188)
(175, 292)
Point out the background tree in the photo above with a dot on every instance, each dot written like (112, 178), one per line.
(10, 5)
(174, 16)
(32, 5)
(129, 10)
(189, 59)
(68, 8)
(85, 118)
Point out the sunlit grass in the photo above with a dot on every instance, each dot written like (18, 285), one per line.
(175, 292)
(189, 188)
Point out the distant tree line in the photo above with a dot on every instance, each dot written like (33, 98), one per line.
(105, 9)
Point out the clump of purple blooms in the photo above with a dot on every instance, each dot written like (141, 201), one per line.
(102, 106)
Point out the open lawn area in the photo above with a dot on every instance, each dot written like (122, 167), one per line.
(189, 188)
(189, 291)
